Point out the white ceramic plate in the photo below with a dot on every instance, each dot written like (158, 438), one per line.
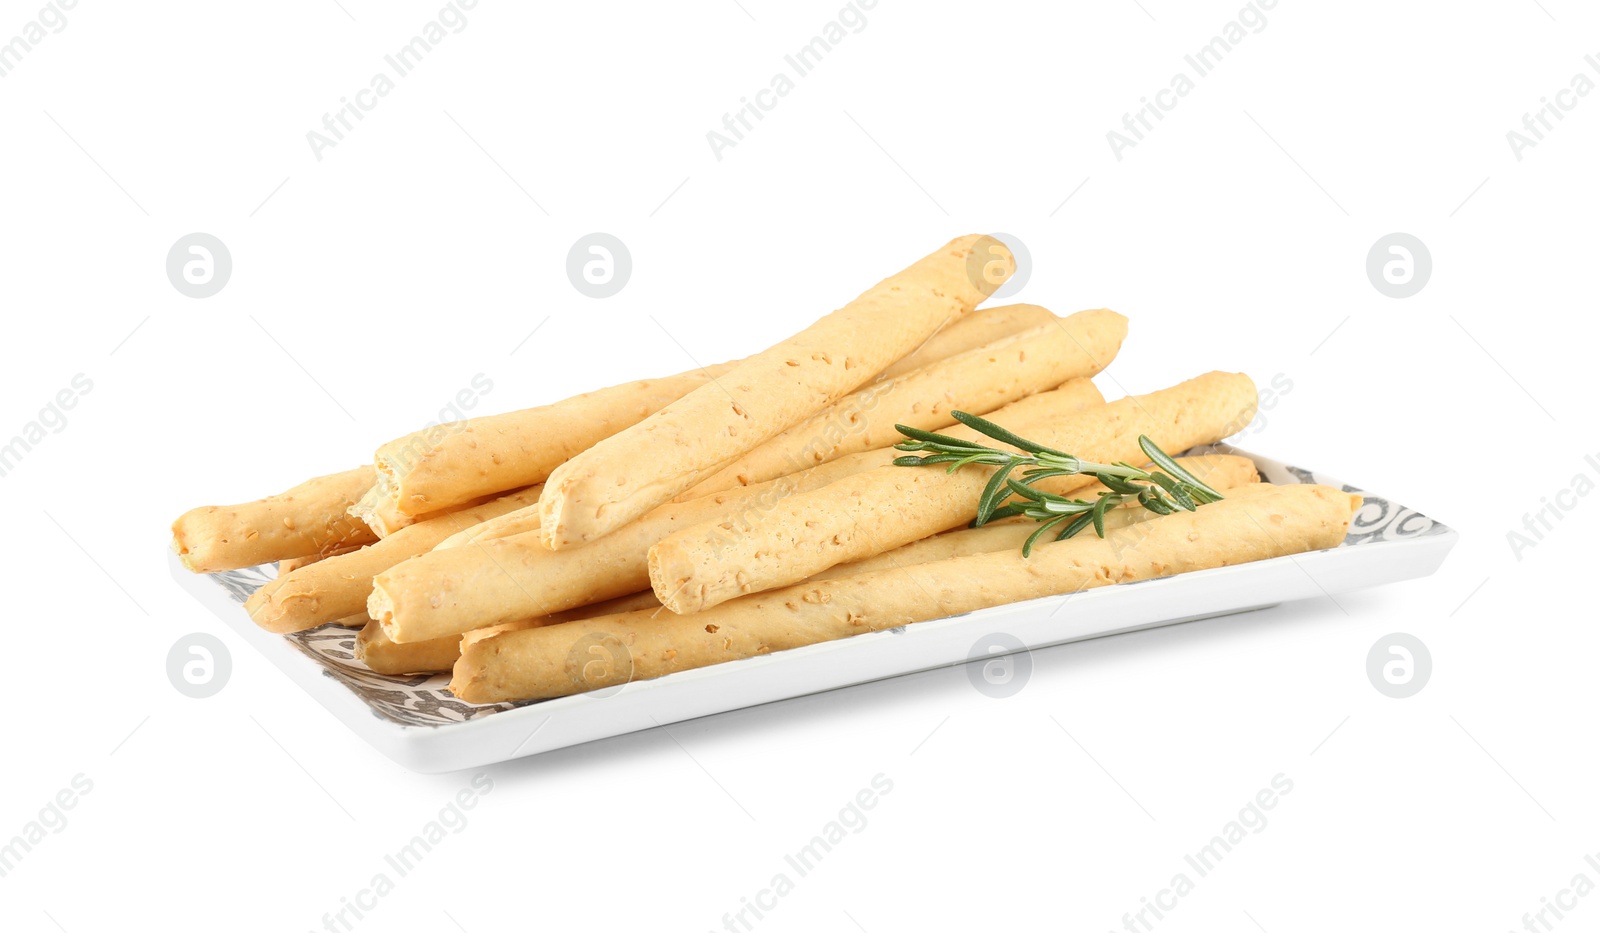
(418, 723)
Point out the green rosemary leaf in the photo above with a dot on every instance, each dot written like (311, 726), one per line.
(1179, 494)
(1163, 490)
(1099, 513)
(1159, 458)
(994, 492)
(1075, 526)
(990, 429)
(1027, 546)
(1152, 499)
(1119, 485)
(930, 437)
(1009, 510)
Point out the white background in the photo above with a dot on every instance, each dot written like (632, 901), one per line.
(370, 286)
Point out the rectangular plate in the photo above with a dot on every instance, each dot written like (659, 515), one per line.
(418, 723)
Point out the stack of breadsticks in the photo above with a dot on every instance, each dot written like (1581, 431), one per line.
(752, 506)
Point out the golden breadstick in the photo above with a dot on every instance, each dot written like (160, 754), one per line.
(1234, 476)
(976, 328)
(971, 332)
(338, 586)
(449, 464)
(695, 567)
(522, 521)
(308, 519)
(977, 382)
(606, 651)
(1073, 395)
(289, 564)
(490, 581)
(1230, 475)
(437, 654)
(383, 656)
(628, 474)
(384, 519)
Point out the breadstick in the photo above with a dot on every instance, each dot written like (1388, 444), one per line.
(383, 656)
(295, 563)
(449, 464)
(308, 519)
(559, 660)
(1073, 395)
(695, 568)
(978, 382)
(490, 581)
(1233, 476)
(628, 474)
(978, 327)
(1229, 474)
(519, 522)
(436, 655)
(338, 586)
(452, 463)
(384, 519)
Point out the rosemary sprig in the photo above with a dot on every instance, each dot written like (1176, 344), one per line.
(1163, 490)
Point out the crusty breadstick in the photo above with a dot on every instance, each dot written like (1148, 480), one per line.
(1072, 395)
(1229, 474)
(695, 568)
(338, 586)
(308, 519)
(643, 466)
(978, 327)
(1233, 476)
(486, 582)
(380, 514)
(496, 580)
(449, 464)
(456, 462)
(436, 655)
(382, 656)
(559, 660)
(289, 564)
(978, 382)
